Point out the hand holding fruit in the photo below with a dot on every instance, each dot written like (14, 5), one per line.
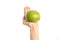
(30, 17)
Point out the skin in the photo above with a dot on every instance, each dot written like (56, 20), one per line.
(34, 34)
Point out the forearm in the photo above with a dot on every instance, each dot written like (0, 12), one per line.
(34, 34)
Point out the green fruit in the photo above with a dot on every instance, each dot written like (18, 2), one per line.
(32, 16)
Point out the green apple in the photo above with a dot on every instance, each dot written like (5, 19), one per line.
(32, 16)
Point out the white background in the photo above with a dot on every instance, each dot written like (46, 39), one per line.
(11, 25)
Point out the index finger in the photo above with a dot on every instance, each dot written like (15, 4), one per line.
(26, 9)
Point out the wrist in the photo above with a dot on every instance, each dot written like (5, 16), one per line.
(34, 27)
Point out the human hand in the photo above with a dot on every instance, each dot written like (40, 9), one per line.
(25, 22)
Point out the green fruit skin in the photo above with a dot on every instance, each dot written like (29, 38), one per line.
(32, 16)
